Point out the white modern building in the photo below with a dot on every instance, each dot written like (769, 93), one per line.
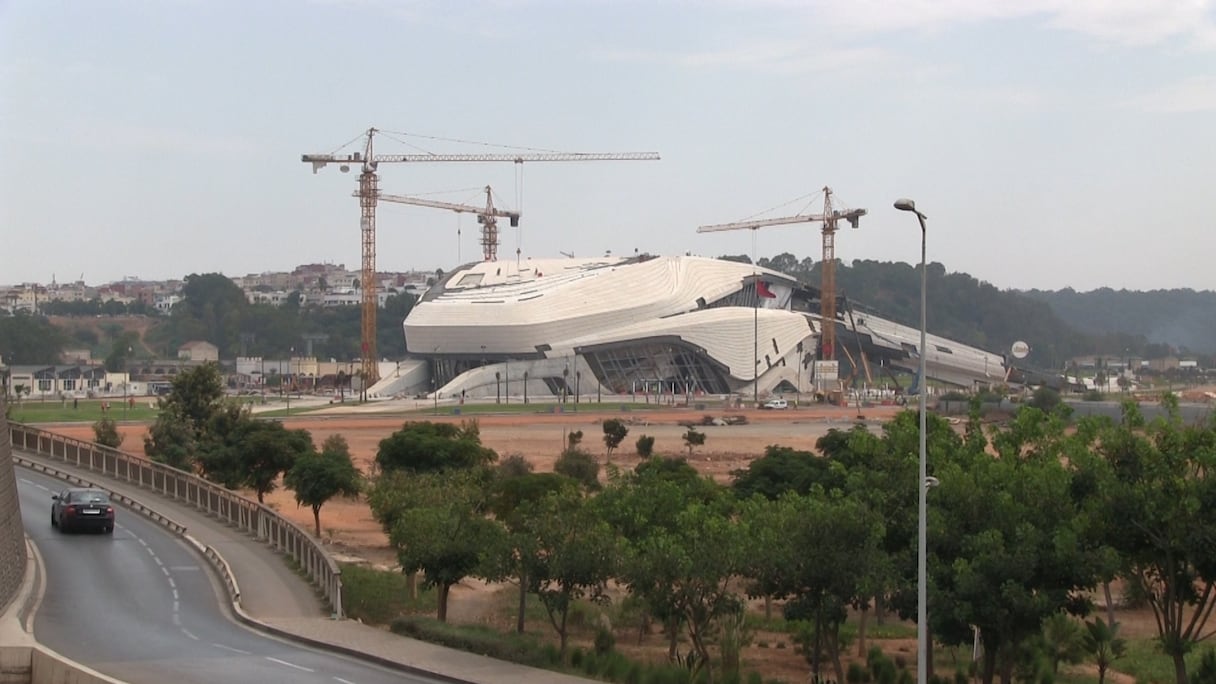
(679, 325)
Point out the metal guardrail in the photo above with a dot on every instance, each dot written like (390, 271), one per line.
(254, 518)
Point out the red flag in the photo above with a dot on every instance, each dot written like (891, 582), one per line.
(763, 291)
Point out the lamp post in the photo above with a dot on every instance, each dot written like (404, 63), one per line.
(922, 546)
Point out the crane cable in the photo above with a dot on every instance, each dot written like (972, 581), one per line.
(812, 197)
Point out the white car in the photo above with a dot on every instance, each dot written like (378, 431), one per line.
(776, 404)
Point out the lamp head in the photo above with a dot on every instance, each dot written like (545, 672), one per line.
(905, 204)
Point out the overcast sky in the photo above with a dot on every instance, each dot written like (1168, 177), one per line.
(1052, 143)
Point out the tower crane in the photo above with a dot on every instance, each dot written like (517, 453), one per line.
(487, 216)
(368, 193)
(827, 290)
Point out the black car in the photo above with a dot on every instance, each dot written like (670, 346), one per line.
(78, 508)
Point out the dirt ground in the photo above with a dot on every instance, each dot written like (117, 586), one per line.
(349, 528)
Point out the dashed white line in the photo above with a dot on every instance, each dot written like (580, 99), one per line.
(344, 681)
(284, 662)
(230, 648)
(173, 584)
(189, 634)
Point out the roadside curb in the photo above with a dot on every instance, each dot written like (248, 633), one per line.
(388, 663)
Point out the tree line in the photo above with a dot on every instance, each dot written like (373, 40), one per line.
(1028, 520)
(1056, 325)
(214, 309)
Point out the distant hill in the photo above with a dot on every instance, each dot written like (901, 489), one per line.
(1184, 319)
(1056, 325)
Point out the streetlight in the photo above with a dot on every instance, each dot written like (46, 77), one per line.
(922, 545)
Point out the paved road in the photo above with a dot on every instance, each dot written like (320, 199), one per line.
(139, 605)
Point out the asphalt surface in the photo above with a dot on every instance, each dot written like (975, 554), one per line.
(140, 605)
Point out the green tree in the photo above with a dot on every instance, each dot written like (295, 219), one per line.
(238, 450)
(1160, 480)
(574, 555)
(442, 531)
(510, 491)
(270, 451)
(213, 308)
(30, 339)
(1008, 544)
(428, 447)
(847, 539)
(317, 477)
(1102, 642)
(779, 470)
(195, 396)
(105, 433)
(693, 439)
(614, 433)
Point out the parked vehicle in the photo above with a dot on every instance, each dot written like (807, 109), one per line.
(775, 404)
(78, 508)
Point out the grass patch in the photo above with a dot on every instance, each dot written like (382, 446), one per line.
(1145, 661)
(34, 411)
(378, 597)
(525, 649)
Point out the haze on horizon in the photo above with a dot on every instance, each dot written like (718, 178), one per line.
(1052, 143)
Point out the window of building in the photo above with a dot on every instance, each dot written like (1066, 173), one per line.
(69, 384)
(44, 385)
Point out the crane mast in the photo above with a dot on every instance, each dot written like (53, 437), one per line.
(369, 194)
(487, 216)
(827, 290)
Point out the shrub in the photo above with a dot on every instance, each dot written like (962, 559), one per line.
(856, 674)
(645, 446)
(1045, 399)
(105, 433)
(579, 465)
(605, 641)
(378, 596)
(524, 649)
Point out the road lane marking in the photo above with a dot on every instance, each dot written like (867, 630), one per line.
(284, 662)
(189, 634)
(234, 650)
(344, 681)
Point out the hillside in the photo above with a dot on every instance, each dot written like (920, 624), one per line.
(1185, 319)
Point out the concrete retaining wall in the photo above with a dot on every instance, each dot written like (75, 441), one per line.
(12, 532)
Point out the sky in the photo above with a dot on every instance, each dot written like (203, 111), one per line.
(1050, 143)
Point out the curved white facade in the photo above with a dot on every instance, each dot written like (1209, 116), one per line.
(677, 325)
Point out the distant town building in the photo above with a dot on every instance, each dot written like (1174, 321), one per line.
(198, 350)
